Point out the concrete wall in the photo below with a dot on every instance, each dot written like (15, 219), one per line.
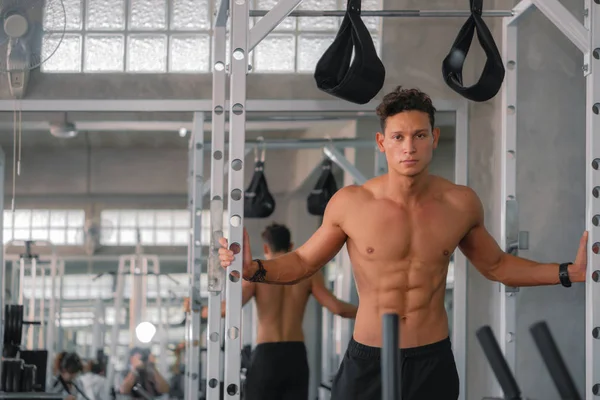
(550, 192)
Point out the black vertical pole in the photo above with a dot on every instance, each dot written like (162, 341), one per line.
(390, 368)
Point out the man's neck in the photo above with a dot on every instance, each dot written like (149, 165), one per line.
(406, 189)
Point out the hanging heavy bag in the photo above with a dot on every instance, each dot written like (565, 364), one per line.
(323, 191)
(360, 81)
(492, 76)
(258, 201)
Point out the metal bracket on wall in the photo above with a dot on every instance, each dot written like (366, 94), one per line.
(516, 240)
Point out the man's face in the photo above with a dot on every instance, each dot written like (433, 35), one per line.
(408, 142)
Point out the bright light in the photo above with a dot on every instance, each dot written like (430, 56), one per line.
(182, 132)
(145, 331)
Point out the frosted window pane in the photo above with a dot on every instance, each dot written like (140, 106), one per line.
(58, 218)
(181, 219)
(372, 23)
(128, 218)
(22, 234)
(108, 237)
(180, 237)
(147, 54)
(189, 53)
(318, 23)
(57, 236)
(7, 235)
(74, 236)
(7, 219)
(286, 25)
(190, 15)
(104, 53)
(54, 17)
(164, 219)
(22, 218)
(145, 219)
(66, 58)
(105, 15)
(147, 236)
(377, 44)
(76, 218)
(128, 237)
(275, 54)
(310, 50)
(40, 218)
(39, 234)
(148, 14)
(163, 237)
(109, 218)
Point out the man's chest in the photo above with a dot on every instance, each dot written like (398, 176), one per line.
(430, 232)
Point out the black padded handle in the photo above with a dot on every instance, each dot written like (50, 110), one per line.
(390, 370)
(554, 362)
(492, 351)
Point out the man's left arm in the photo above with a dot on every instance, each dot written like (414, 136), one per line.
(493, 263)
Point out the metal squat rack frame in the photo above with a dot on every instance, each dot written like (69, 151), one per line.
(586, 37)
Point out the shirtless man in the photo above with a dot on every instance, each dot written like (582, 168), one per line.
(279, 367)
(401, 229)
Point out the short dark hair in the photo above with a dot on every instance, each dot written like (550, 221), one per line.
(277, 237)
(68, 362)
(405, 100)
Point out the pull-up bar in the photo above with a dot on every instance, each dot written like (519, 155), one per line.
(390, 13)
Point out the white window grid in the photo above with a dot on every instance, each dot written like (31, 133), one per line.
(175, 36)
(61, 227)
(82, 287)
(155, 227)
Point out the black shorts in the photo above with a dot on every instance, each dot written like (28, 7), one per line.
(278, 371)
(427, 372)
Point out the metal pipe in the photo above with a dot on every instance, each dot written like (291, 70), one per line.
(390, 366)
(492, 352)
(554, 361)
(390, 13)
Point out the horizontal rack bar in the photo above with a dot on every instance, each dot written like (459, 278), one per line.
(390, 13)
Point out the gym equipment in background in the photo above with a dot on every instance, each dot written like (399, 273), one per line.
(323, 191)
(492, 76)
(358, 80)
(258, 200)
(549, 352)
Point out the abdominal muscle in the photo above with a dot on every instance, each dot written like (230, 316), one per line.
(413, 290)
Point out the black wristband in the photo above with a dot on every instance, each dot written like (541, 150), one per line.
(563, 274)
(259, 275)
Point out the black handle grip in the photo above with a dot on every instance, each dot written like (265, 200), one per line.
(390, 369)
(554, 362)
(492, 351)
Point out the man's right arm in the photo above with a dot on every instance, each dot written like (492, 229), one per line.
(322, 246)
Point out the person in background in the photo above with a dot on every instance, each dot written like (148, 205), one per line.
(141, 374)
(279, 363)
(176, 384)
(94, 381)
(67, 367)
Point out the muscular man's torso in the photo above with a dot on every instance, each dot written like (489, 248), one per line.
(280, 310)
(400, 255)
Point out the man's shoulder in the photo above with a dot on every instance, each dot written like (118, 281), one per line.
(348, 194)
(461, 196)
